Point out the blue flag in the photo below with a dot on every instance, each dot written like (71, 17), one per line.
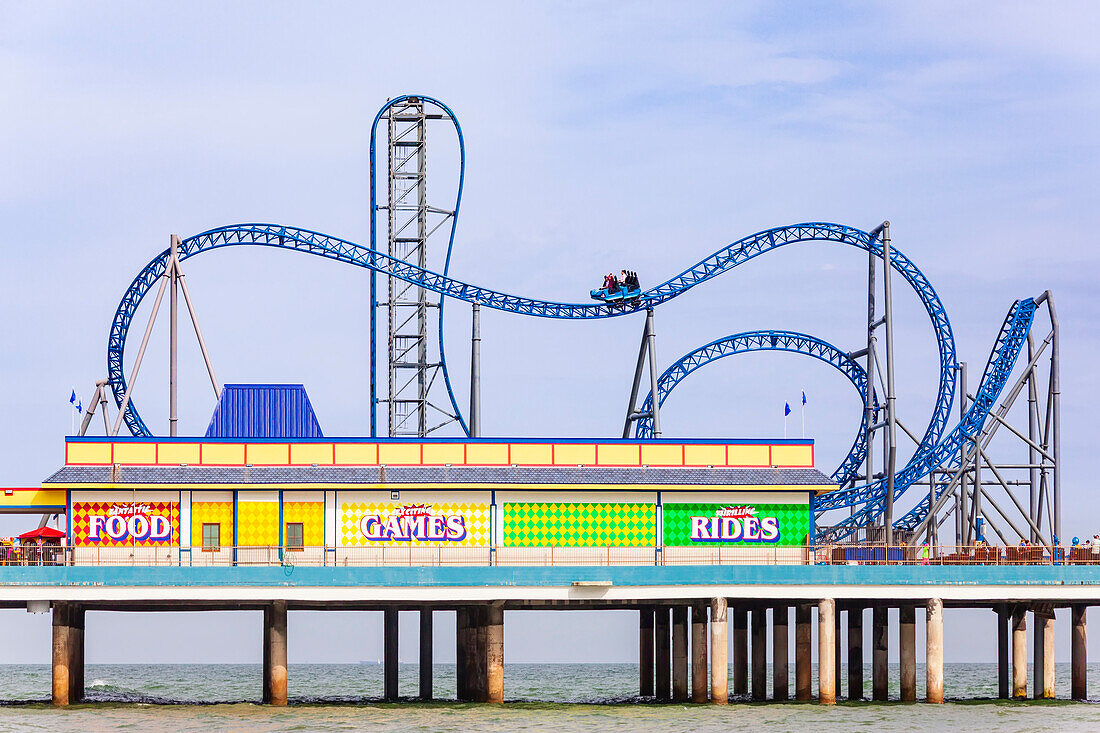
(79, 407)
(803, 397)
(72, 398)
(786, 409)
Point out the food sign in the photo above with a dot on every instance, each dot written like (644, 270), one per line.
(109, 524)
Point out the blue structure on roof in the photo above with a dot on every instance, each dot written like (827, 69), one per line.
(264, 411)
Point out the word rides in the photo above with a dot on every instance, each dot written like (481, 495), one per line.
(735, 524)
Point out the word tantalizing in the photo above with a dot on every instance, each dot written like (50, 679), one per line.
(735, 524)
(413, 522)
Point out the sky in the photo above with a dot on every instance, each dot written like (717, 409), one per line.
(598, 137)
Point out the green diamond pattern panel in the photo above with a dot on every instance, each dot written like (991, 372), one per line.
(536, 524)
(794, 522)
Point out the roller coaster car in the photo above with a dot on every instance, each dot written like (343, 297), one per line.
(621, 294)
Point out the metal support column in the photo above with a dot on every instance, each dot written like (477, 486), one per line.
(759, 636)
(648, 348)
(891, 422)
(390, 646)
(426, 656)
(855, 653)
(173, 336)
(1003, 618)
(475, 373)
(740, 650)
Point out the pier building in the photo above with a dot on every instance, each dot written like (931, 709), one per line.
(711, 542)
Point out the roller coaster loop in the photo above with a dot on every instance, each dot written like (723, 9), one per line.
(998, 369)
(743, 343)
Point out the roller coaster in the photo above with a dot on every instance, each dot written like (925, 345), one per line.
(939, 451)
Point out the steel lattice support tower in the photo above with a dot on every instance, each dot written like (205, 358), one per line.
(410, 312)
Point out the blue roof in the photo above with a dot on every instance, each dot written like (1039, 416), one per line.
(264, 411)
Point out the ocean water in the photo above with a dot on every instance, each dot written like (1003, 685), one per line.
(551, 697)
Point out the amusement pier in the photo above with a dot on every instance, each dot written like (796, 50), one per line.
(718, 544)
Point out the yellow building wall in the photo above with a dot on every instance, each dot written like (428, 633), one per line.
(32, 497)
(208, 512)
(312, 515)
(257, 523)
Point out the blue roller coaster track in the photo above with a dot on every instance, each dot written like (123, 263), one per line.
(750, 341)
(932, 451)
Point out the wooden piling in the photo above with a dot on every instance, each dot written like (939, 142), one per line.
(494, 654)
(907, 651)
(1019, 652)
(719, 653)
(699, 681)
(803, 652)
(62, 654)
(1078, 654)
(933, 655)
(826, 651)
(880, 659)
(277, 655)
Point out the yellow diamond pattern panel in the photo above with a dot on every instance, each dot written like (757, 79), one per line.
(568, 524)
(211, 512)
(257, 523)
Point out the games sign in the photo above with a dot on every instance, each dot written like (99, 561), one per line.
(411, 522)
(421, 523)
(739, 524)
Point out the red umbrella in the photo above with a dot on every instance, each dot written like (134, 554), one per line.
(43, 533)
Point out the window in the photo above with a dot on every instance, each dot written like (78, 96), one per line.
(211, 537)
(295, 536)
